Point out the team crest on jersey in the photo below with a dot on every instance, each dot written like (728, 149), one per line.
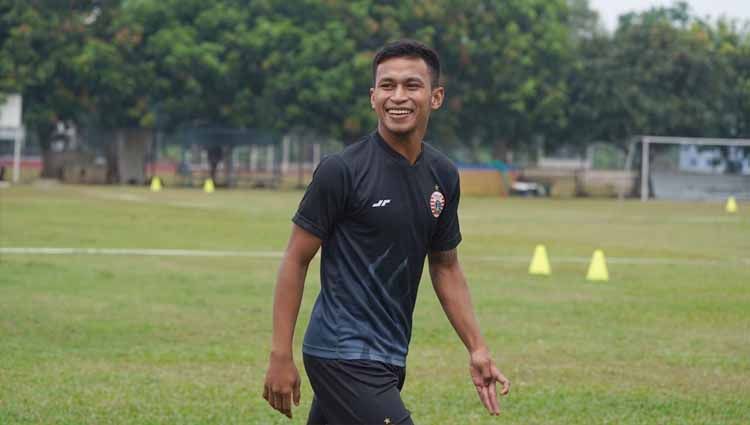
(437, 203)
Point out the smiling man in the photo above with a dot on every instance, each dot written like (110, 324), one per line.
(378, 209)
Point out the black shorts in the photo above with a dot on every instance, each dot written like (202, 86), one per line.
(356, 392)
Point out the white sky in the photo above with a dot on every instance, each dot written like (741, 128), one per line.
(609, 10)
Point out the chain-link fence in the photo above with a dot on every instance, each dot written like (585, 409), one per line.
(188, 156)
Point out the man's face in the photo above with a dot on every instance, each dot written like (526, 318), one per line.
(403, 96)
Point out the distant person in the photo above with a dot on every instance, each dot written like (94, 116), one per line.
(378, 208)
(215, 156)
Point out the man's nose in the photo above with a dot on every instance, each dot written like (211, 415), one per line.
(399, 95)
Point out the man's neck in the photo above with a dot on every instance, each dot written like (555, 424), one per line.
(409, 145)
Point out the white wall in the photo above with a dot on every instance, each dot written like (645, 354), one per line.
(10, 111)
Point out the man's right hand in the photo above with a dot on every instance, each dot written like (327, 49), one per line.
(282, 383)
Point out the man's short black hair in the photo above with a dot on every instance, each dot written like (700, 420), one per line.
(411, 49)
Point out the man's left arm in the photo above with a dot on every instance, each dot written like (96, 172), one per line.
(453, 292)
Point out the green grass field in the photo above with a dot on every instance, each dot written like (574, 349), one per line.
(134, 339)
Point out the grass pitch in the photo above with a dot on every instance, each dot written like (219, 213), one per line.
(131, 339)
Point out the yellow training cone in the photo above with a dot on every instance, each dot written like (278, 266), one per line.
(731, 205)
(155, 184)
(598, 267)
(208, 186)
(540, 263)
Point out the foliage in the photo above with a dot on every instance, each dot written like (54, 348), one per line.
(663, 72)
(515, 71)
(39, 42)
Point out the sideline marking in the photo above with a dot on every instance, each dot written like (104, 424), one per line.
(141, 252)
(280, 254)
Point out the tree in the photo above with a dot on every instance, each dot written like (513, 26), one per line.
(183, 47)
(505, 69)
(501, 62)
(114, 81)
(515, 70)
(307, 69)
(39, 41)
(731, 43)
(662, 72)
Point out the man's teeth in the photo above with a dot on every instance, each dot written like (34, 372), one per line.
(399, 111)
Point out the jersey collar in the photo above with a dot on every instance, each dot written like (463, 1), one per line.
(392, 152)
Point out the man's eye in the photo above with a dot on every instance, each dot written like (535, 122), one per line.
(413, 86)
(386, 86)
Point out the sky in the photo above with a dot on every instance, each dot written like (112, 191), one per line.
(609, 10)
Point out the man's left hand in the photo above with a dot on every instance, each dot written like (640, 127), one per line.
(485, 375)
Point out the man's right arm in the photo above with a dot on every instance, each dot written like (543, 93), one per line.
(282, 378)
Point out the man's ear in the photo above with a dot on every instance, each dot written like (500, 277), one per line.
(372, 98)
(438, 94)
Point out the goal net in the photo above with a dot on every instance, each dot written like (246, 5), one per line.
(694, 168)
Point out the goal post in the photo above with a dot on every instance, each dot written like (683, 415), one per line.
(694, 168)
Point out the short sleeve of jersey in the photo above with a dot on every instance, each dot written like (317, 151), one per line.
(325, 198)
(448, 233)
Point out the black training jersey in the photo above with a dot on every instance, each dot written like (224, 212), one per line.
(378, 216)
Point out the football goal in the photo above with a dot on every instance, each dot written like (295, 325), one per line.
(692, 168)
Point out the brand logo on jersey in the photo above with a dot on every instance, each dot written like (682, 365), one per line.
(437, 203)
(381, 203)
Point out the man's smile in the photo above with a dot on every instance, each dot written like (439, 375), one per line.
(399, 112)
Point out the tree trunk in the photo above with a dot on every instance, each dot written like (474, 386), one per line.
(51, 168)
(113, 173)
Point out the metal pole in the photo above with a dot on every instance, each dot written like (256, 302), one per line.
(229, 161)
(17, 141)
(316, 156)
(644, 170)
(628, 164)
(285, 154)
(300, 163)
(253, 158)
(270, 159)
